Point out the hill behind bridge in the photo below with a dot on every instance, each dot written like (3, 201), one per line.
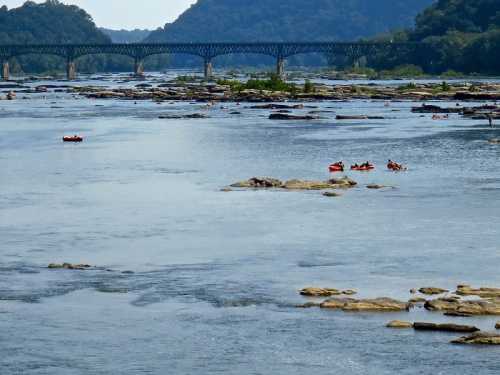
(288, 20)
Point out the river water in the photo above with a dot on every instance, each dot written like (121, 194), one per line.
(199, 281)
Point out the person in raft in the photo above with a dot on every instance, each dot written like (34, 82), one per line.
(393, 166)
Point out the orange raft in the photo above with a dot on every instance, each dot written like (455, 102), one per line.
(73, 138)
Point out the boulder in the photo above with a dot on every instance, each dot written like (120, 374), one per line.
(342, 182)
(259, 182)
(355, 117)
(360, 305)
(426, 108)
(479, 338)
(497, 326)
(320, 292)
(331, 194)
(475, 307)
(399, 324)
(432, 291)
(284, 116)
(466, 290)
(444, 327)
(494, 141)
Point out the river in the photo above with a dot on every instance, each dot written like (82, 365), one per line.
(199, 281)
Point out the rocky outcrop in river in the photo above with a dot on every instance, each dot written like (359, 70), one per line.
(269, 183)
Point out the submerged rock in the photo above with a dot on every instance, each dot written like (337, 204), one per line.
(479, 338)
(497, 326)
(360, 305)
(331, 194)
(307, 305)
(432, 291)
(494, 141)
(444, 327)
(188, 116)
(399, 324)
(69, 266)
(278, 106)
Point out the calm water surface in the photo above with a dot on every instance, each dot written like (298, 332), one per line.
(214, 276)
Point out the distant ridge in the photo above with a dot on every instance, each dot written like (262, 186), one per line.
(288, 20)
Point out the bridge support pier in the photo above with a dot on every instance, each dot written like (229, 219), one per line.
(280, 67)
(209, 68)
(71, 70)
(5, 70)
(138, 67)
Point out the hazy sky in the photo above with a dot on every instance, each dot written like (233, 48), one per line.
(126, 14)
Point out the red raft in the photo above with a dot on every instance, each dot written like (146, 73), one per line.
(336, 168)
(73, 138)
(363, 168)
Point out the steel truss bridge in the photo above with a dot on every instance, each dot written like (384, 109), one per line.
(206, 51)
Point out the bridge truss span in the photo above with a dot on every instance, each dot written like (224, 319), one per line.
(207, 51)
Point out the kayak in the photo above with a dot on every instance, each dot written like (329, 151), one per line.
(336, 168)
(74, 139)
(363, 169)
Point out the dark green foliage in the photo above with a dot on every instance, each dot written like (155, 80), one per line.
(464, 36)
(55, 22)
(309, 87)
(49, 22)
(274, 83)
(286, 20)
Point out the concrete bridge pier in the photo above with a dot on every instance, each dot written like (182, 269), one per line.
(280, 67)
(5, 70)
(138, 67)
(71, 70)
(209, 68)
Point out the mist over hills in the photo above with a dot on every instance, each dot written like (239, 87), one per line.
(126, 36)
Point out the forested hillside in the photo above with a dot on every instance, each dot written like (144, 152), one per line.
(465, 35)
(285, 20)
(49, 22)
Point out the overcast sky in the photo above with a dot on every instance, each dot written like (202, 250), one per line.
(126, 14)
